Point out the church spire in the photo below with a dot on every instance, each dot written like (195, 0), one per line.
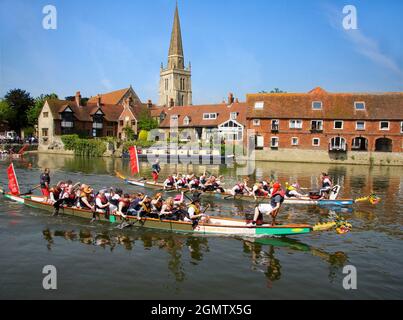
(175, 56)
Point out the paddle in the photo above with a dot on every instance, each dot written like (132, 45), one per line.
(30, 190)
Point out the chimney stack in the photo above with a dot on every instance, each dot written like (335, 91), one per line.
(149, 104)
(230, 98)
(99, 101)
(78, 98)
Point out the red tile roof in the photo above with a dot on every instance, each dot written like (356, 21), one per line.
(383, 106)
(113, 97)
(195, 113)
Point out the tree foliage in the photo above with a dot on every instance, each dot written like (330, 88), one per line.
(129, 132)
(145, 122)
(6, 112)
(20, 101)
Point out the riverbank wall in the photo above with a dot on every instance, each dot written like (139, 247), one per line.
(318, 156)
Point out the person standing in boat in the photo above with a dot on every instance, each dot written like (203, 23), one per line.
(45, 183)
(156, 169)
(272, 208)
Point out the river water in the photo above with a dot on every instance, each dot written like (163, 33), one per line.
(101, 262)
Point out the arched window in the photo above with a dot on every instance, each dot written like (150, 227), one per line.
(338, 144)
(383, 145)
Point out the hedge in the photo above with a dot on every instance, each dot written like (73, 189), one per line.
(84, 147)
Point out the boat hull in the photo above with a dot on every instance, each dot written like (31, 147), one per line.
(218, 225)
(227, 196)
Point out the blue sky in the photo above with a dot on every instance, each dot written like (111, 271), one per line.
(234, 45)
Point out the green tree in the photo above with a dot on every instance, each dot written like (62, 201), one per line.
(277, 90)
(145, 122)
(6, 112)
(34, 112)
(20, 101)
(129, 132)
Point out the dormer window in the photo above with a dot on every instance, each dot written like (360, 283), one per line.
(186, 121)
(259, 105)
(174, 117)
(234, 115)
(359, 105)
(317, 105)
(67, 121)
(209, 116)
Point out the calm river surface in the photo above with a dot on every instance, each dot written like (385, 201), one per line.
(100, 262)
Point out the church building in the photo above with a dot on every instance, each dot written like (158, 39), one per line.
(175, 79)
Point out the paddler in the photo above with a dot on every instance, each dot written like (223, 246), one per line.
(292, 191)
(169, 182)
(240, 189)
(327, 185)
(258, 190)
(156, 169)
(272, 208)
(102, 204)
(195, 214)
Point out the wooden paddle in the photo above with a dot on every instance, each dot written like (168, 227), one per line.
(30, 190)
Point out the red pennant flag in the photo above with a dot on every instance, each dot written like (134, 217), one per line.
(134, 160)
(12, 180)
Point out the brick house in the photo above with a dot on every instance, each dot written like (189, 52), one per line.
(105, 115)
(331, 122)
(225, 121)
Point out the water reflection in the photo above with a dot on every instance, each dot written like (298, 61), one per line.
(262, 252)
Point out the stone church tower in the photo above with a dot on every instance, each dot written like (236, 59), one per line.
(175, 79)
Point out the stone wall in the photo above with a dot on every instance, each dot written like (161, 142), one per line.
(319, 156)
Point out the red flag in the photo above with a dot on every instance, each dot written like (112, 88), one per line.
(12, 181)
(134, 160)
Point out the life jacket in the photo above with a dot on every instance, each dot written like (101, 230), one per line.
(103, 199)
(171, 181)
(260, 193)
(196, 209)
(280, 193)
(241, 188)
(125, 201)
(146, 208)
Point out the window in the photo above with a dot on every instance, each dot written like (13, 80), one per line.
(209, 116)
(186, 121)
(317, 125)
(121, 123)
(259, 142)
(338, 124)
(295, 124)
(166, 84)
(359, 105)
(294, 141)
(174, 117)
(45, 132)
(317, 105)
(259, 105)
(274, 142)
(256, 122)
(275, 125)
(234, 115)
(338, 144)
(133, 123)
(384, 125)
(360, 125)
(316, 142)
(46, 114)
(401, 127)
